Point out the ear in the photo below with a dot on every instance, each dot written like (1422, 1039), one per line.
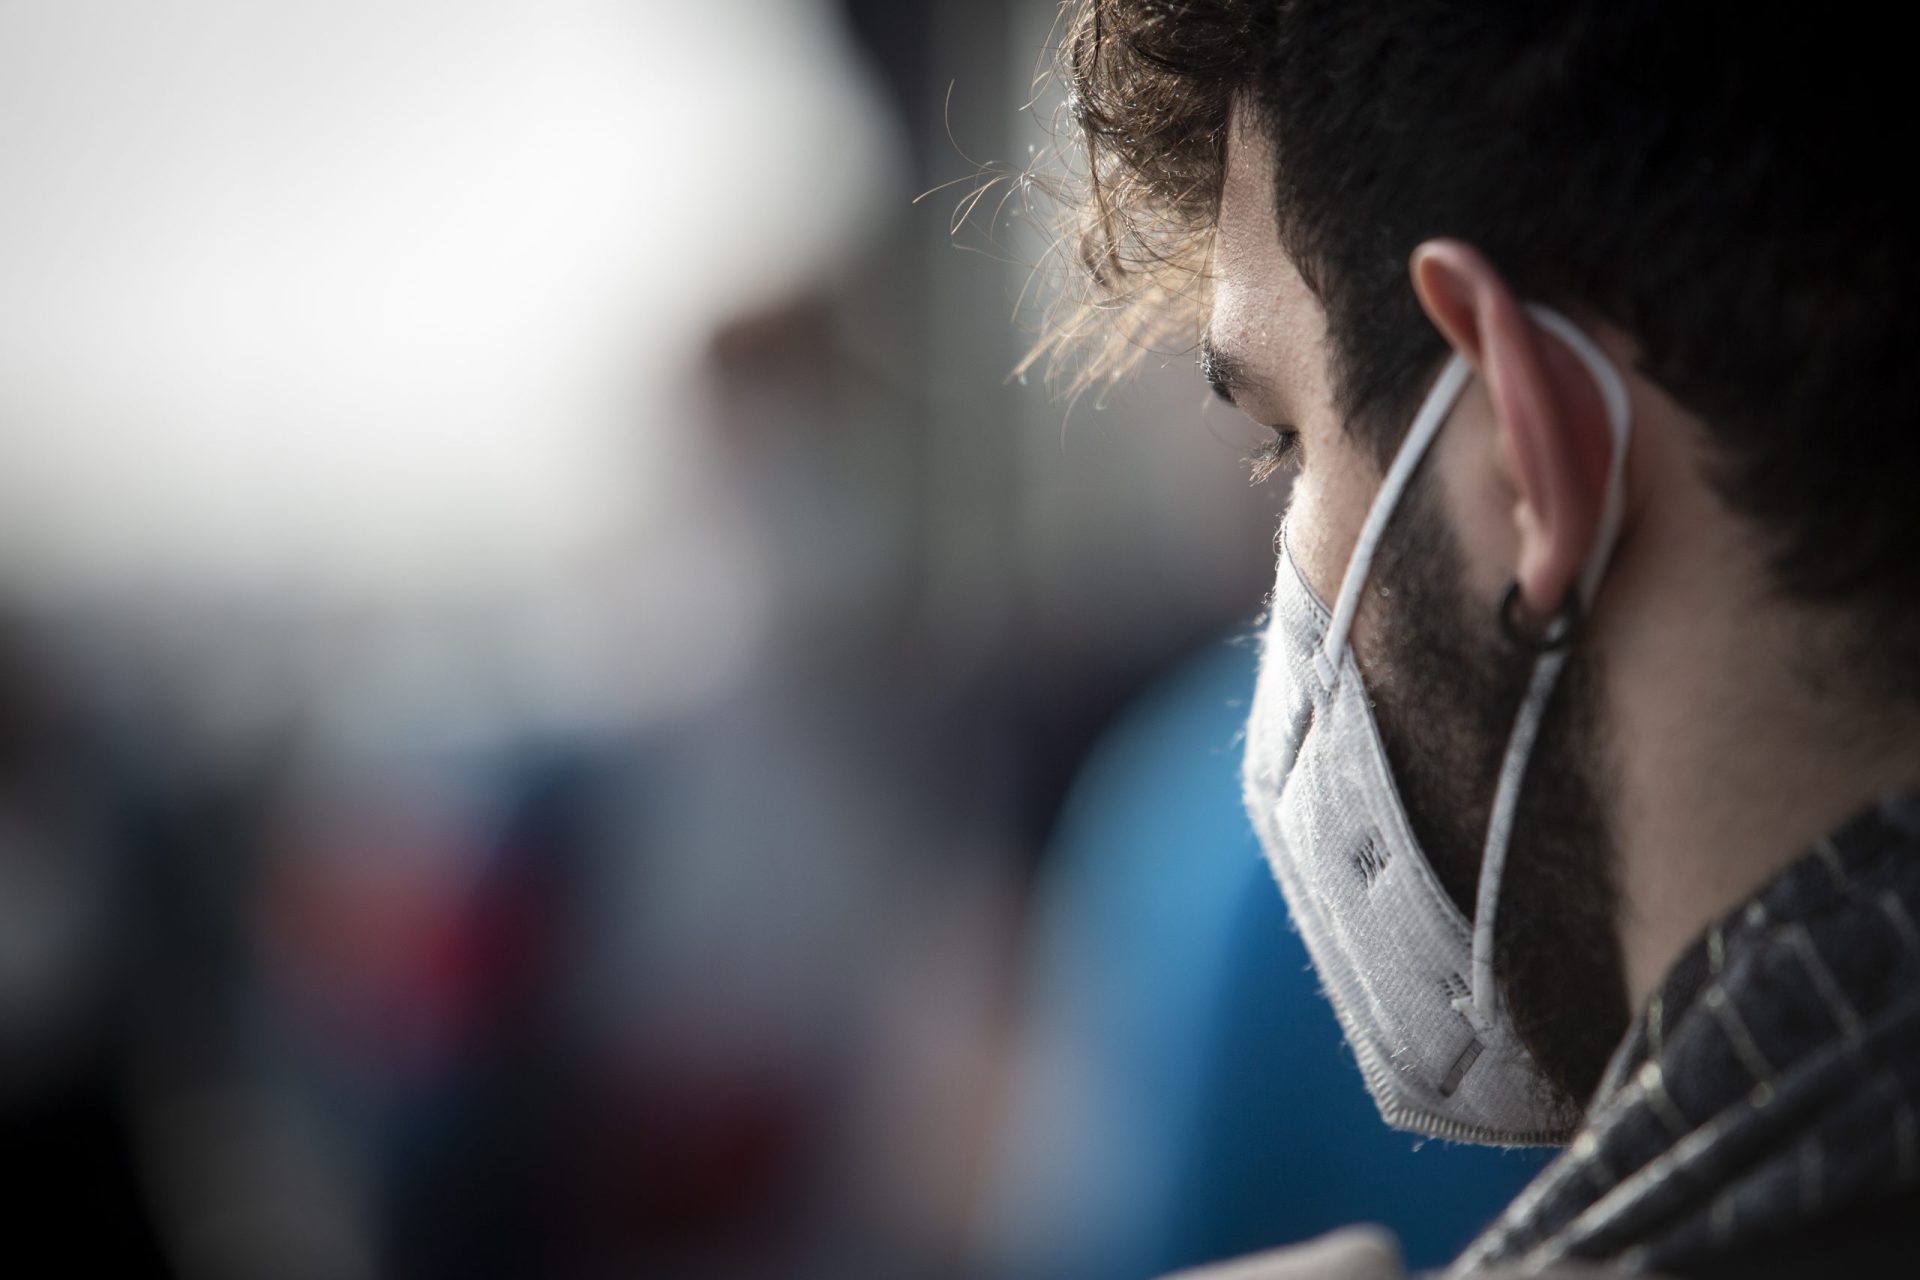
(1551, 423)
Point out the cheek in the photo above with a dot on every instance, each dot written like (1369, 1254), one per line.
(1477, 499)
(1329, 504)
(1332, 495)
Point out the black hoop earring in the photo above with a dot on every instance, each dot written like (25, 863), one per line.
(1557, 633)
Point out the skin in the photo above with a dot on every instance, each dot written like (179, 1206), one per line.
(1727, 755)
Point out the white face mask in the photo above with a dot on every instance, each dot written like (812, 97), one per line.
(1411, 979)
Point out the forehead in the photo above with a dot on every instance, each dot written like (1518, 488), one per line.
(1263, 313)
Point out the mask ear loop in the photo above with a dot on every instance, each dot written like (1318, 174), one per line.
(1426, 425)
(1479, 1007)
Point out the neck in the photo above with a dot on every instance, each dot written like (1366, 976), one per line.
(1728, 763)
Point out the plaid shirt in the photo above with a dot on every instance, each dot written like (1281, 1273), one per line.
(1762, 1117)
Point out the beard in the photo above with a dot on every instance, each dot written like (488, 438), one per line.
(1446, 685)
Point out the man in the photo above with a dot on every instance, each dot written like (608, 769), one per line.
(1588, 706)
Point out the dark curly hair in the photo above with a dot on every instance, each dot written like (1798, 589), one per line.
(1723, 182)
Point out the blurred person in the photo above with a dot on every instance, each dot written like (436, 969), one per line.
(1584, 748)
(360, 460)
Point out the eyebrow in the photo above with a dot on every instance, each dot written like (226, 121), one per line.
(1225, 372)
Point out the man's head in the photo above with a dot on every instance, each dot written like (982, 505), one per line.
(1360, 187)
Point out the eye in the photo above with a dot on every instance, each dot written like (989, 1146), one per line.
(1281, 452)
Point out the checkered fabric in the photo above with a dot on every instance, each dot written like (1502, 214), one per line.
(1762, 1117)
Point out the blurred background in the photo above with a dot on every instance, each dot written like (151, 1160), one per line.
(562, 714)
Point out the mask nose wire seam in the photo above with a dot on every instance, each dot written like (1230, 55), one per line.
(1426, 425)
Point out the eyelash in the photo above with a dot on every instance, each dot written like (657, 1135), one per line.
(1277, 454)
